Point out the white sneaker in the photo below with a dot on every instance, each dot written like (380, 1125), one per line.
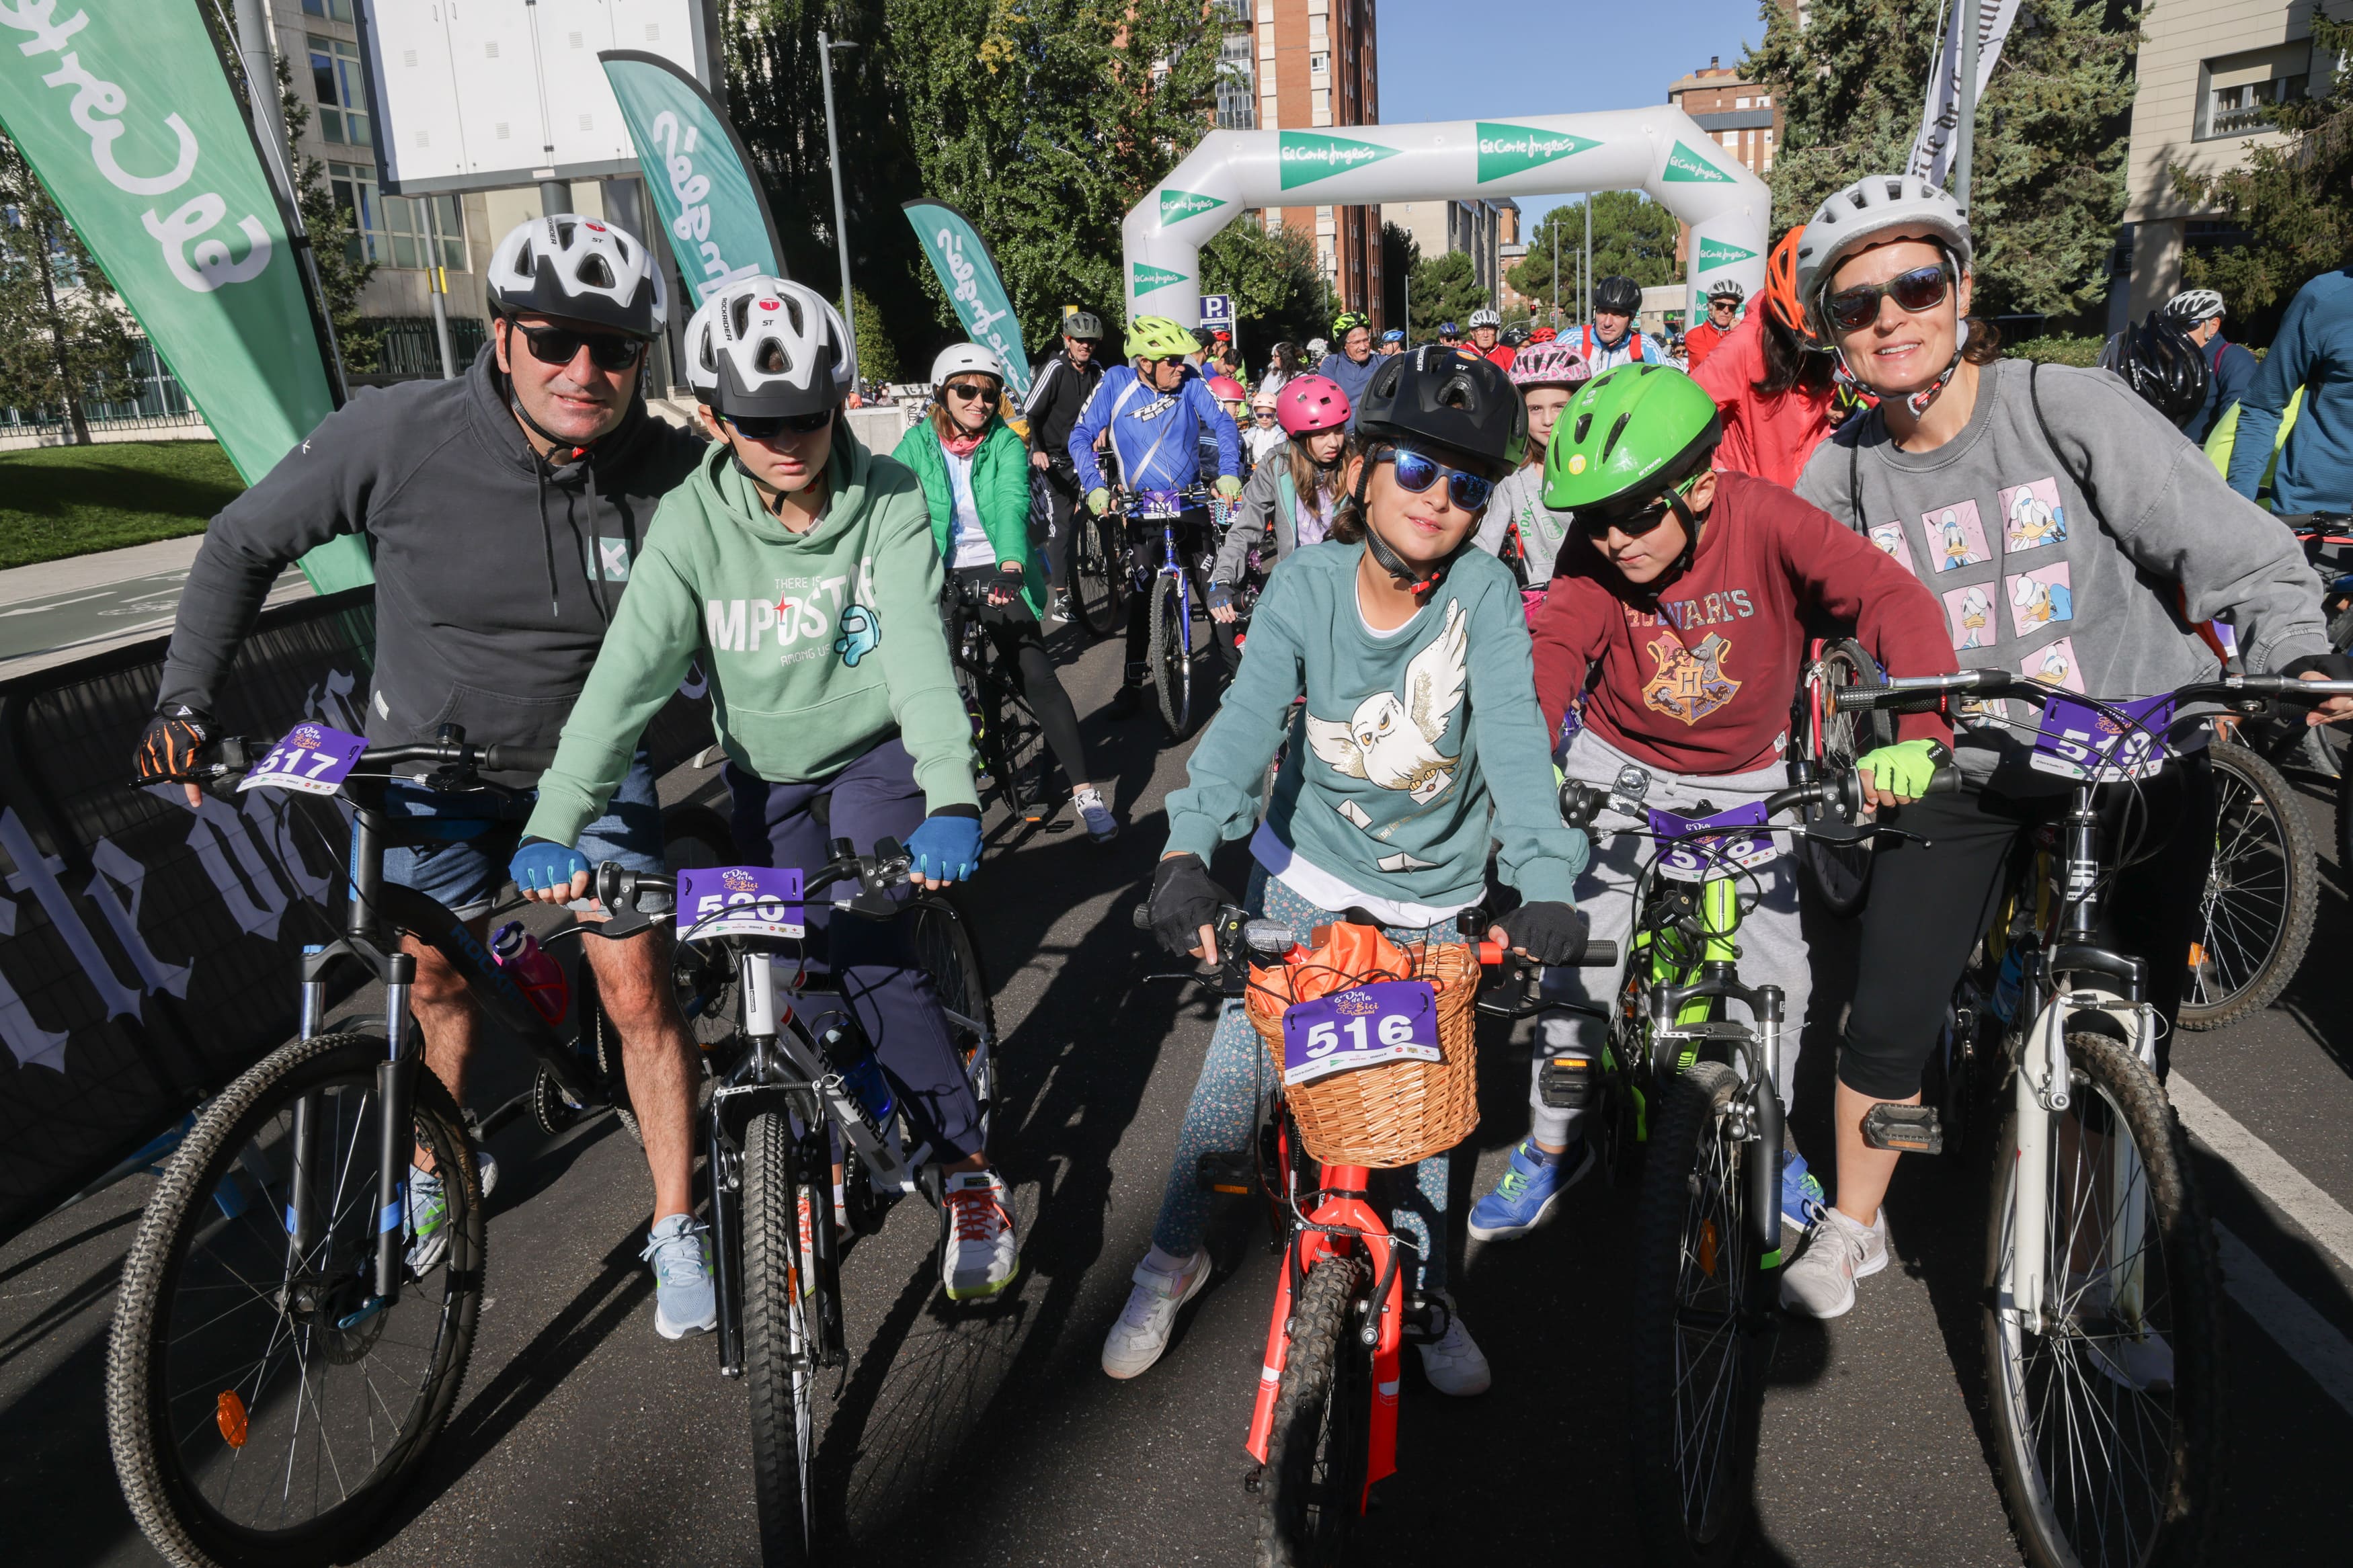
(1101, 825)
(487, 1169)
(1839, 1251)
(982, 1253)
(1454, 1364)
(1163, 1284)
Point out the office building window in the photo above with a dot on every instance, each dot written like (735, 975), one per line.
(353, 187)
(2234, 90)
(341, 93)
(1237, 85)
(412, 243)
(332, 10)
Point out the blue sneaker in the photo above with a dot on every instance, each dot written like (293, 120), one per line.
(684, 1303)
(1523, 1199)
(1802, 1203)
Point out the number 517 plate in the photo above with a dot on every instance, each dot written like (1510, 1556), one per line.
(312, 759)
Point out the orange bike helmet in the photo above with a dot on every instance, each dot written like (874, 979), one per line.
(1781, 285)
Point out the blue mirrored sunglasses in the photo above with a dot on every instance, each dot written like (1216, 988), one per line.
(1417, 473)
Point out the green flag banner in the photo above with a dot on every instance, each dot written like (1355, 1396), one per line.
(711, 207)
(150, 159)
(969, 274)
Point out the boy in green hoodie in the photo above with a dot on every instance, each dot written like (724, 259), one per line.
(798, 568)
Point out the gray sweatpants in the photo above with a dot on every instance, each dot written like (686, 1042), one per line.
(1772, 948)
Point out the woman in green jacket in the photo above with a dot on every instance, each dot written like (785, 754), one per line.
(975, 475)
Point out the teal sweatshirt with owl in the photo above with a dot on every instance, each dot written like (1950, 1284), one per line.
(1415, 748)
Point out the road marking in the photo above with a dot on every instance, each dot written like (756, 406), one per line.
(2308, 1339)
(2326, 1220)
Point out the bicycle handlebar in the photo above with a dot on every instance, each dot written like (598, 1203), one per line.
(241, 753)
(1271, 938)
(616, 887)
(1926, 693)
(1581, 802)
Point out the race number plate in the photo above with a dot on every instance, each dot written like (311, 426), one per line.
(1392, 1021)
(739, 900)
(1700, 846)
(313, 760)
(1159, 503)
(2087, 746)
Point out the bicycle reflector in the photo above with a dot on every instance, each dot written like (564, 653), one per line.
(229, 1415)
(1565, 1082)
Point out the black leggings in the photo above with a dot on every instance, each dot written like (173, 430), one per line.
(1062, 498)
(1021, 647)
(1929, 903)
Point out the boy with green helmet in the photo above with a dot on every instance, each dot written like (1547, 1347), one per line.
(1667, 651)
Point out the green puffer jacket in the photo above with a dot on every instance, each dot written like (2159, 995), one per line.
(1000, 488)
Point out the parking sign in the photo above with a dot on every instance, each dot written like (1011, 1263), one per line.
(1217, 309)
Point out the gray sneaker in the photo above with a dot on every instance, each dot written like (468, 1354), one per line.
(427, 1213)
(1101, 825)
(1839, 1251)
(684, 1303)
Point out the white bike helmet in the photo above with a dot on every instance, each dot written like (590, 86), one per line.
(582, 269)
(1484, 318)
(966, 359)
(1876, 207)
(765, 348)
(2192, 306)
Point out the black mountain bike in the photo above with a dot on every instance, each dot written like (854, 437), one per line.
(1009, 763)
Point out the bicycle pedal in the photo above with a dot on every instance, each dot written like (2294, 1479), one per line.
(1903, 1128)
(1565, 1082)
(1228, 1171)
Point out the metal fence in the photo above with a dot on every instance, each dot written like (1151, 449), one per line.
(411, 350)
(159, 402)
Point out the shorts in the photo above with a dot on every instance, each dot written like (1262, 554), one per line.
(465, 871)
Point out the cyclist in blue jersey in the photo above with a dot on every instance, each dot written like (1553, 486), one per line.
(1155, 408)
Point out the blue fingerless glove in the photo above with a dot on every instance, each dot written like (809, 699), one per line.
(541, 865)
(1221, 597)
(946, 848)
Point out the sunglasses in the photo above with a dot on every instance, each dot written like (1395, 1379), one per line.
(1597, 526)
(560, 346)
(1262, 414)
(964, 391)
(1922, 289)
(1416, 473)
(768, 428)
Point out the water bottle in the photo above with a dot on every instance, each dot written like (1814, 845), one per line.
(530, 966)
(846, 1052)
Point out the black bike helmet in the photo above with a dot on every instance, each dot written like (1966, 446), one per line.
(1447, 398)
(1618, 296)
(2158, 360)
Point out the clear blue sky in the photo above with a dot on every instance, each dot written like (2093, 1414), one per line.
(1463, 59)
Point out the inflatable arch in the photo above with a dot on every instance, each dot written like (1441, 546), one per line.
(1661, 150)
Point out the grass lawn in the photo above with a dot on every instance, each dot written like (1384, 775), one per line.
(71, 500)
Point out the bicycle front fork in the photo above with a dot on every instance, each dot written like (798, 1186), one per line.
(396, 1088)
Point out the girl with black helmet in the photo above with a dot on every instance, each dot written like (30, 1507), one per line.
(1420, 743)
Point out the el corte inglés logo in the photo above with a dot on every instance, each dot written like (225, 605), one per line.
(1513, 149)
(1176, 206)
(1148, 278)
(1715, 253)
(1685, 165)
(1306, 157)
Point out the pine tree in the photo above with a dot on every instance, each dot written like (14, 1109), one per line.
(2048, 185)
(64, 339)
(2296, 200)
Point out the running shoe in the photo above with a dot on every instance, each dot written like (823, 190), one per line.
(1163, 1285)
(982, 1253)
(1453, 1363)
(1523, 1199)
(1101, 825)
(1842, 1250)
(684, 1301)
(427, 1213)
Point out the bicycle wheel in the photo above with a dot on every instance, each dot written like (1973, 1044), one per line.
(1702, 1337)
(2107, 1413)
(258, 1414)
(1172, 662)
(2262, 891)
(1097, 575)
(1841, 872)
(943, 947)
(778, 1350)
(1311, 1492)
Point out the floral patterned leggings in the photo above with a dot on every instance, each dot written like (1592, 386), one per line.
(1224, 1114)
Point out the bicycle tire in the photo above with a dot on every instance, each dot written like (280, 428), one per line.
(179, 1489)
(1098, 581)
(2262, 893)
(1172, 667)
(779, 1349)
(2114, 1089)
(1695, 1173)
(1311, 1492)
(1840, 873)
(943, 947)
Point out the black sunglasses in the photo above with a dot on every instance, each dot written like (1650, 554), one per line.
(1922, 289)
(759, 428)
(1597, 526)
(965, 390)
(559, 345)
(1417, 473)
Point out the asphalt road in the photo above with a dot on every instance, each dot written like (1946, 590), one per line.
(990, 1436)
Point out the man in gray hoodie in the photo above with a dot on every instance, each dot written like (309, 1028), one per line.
(503, 510)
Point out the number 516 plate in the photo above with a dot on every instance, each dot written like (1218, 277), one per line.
(1391, 1021)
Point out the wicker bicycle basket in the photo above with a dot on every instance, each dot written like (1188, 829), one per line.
(1398, 1112)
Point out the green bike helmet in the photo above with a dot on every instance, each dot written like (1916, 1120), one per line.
(1628, 437)
(1157, 337)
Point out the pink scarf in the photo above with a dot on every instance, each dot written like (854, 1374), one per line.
(962, 446)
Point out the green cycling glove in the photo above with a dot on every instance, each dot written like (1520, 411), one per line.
(1098, 501)
(1229, 486)
(1903, 768)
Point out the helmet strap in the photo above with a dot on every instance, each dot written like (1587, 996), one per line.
(556, 443)
(1401, 571)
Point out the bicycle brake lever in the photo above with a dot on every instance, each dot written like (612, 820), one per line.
(627, 923)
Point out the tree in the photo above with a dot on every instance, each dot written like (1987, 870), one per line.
(2296, 200)
(64, 339)
(1270, 271)
(1445, 288)
(1633, 237)
(2049, 181)
(878, 359)
(335, 250)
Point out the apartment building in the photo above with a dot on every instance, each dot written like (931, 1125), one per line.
(1483, 226)
(2206, 69)
(1289, 65)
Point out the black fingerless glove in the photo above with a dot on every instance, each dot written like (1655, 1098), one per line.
(1184, 900)
(169, 746)
(1550, 933)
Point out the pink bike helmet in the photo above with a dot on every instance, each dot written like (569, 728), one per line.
(1226, 389)
(1311, 403)
(1549, 365)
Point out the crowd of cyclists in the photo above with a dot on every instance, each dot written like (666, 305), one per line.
(1471, 567)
